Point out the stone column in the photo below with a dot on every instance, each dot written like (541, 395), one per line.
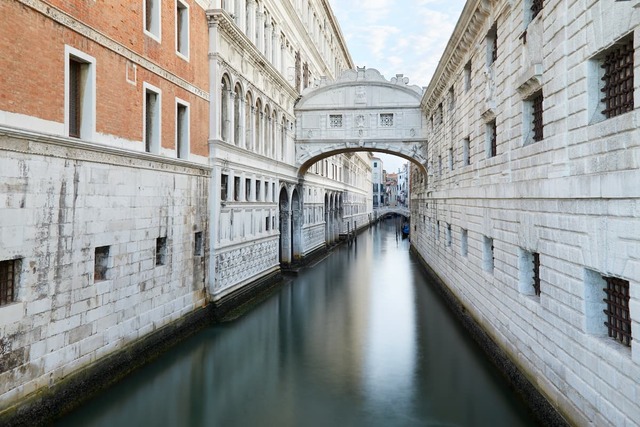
(260, 140)
(283, 57)
(267, 41)
(231, 113)
(241, 125)
(252, 127)
(241, 15)
(251, 20)
(285, 236)
(275, 48)
(260, 29)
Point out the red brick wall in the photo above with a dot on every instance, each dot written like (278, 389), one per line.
(32, 64)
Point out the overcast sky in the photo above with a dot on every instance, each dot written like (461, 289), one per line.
(398, 37)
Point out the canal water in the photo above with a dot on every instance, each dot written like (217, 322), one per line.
(360, 339)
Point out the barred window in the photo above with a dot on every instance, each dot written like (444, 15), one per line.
(536, 7)
(536, 273)
(618, 321)
(101, 263)
(617, 90)
(8, 279)
(386, 120)
(335, 120)
(491, 135)
(538, 124)
(161, 251)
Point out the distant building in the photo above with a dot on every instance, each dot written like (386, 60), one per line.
(391, 189)
(403, 185)
(377, 179)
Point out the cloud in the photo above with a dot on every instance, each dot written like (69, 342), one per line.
(398, 36)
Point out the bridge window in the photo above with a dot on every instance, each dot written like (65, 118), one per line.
(335, 120)
(386, 120)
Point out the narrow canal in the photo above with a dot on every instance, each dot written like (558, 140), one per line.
(360, 339)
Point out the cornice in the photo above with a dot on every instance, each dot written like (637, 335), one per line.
(57, 146)
(336, 27)
(471, 22)
(224, 22)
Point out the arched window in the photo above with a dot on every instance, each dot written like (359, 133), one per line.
(237, 115)
(225, 113)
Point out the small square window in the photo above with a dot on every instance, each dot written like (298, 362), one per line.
(529, 272)
(386, 120)
(488, 254)
(464, 242)
(617, 79)
(9, 271)
(335, 120)
(161, 251)
(101, 263)
(198, 244)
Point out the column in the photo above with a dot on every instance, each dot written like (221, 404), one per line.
(275, 48)
(242, 125)
(251, 20)
(231, 113)
(260, 28)
(268, 45)
(283, 57)
(252, 128)
(241, 15)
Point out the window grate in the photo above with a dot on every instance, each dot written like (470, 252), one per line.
(298, 71)
(536, 273)
(618, 80)
(537, 117)
(536, 7)
(618, 319)
(386, 120)
(493, 128)
(7, 281)
(335, 120)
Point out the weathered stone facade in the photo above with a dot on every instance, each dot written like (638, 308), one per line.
(82, 223)
(565, 198)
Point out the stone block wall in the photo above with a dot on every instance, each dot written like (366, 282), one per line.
(568, 197)
(108, 246)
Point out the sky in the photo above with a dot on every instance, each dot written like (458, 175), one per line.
(397, 37)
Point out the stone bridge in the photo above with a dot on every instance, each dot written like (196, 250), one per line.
(360, 111)
(400, 210)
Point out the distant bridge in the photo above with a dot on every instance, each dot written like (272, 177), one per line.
(400, 210)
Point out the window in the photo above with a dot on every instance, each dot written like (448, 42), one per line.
(536, 116)
(236, 188)
(386, 120)
(161, 250)
(267, 222)
(80, 94)
(273, 192)
(618, 321)
(182, 129)
(491, 143)
(375, 164)
(492, 45)
(450, 159)
(452, 99)
(182, 29)
(467, 76)
(101, 263)
(488, 256)
(448, 235)
(466, 151)
(440, 113)
(152, 18)
(617, 78)
(335, 120)
(464, 242)
(8, 280)
(258, 191)
(535, 6)
(152, 99)
(224, 186)
(247, 189)
(197, 245)
(529, 272)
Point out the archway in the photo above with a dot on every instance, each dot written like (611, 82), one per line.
(285, 227)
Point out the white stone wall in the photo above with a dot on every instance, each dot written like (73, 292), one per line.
(59, 200)
(571, 197)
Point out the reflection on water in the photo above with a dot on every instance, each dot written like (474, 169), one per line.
(359, 340)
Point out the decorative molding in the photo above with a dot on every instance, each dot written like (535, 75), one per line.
(73, 24)
(530, 81)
